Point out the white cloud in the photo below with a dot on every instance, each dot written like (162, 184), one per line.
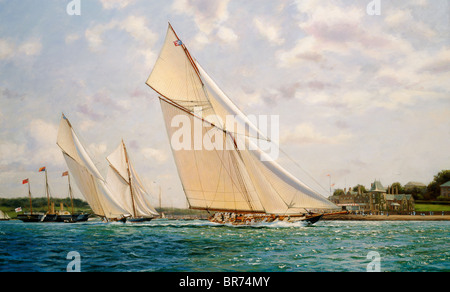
(98, 150)
(116, 4)
(268, 31)
(94, 35)
(226, 34)
(6, 49)
(306, 50)
(210, 18)
(154, 154)
(11, 152)
(306, 133)
(72, 38)
(396, 20)
(135, 26)
(43, 135)
(31, 48)
(10, 50)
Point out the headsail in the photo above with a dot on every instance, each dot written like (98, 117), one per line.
(87, 177)
(230, 178)
(129, 188)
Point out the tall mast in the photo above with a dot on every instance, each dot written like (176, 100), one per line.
(160, 201)
(29, 194)
(129, 178)
(70, 192)
(46, 191)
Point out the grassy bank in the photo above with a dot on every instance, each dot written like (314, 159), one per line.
(40, 205)
(423, 207)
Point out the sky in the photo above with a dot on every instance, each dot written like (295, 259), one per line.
(360, 97)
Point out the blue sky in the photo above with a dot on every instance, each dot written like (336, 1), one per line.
(359, 97)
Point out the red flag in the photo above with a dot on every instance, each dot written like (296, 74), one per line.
(66, 173)
(25, 181)
(42, 169)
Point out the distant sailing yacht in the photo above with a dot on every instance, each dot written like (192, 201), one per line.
(231, 180)
(122, 177)
(102, 200)
(4, 216)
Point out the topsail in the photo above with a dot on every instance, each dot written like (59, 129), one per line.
(232, 177)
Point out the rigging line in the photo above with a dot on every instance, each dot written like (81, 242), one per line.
(198, 173)
(118, 173)
(304, 170)
(82, 143)
(270, 140)
(192, 78)
(91, 177)
(243, 114)
(268, 181)
(234, 184)
(240, 178)
(218, 181)
(162, 97)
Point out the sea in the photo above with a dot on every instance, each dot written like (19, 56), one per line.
(201, 246)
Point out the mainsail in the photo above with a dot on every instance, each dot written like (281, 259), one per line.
(87, 177)
(122, 177)
(231, 177)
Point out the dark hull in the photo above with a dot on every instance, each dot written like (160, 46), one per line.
(75, 218)
(313, 219)
(53, 218)
(50, 218)
(139, 220)
(34, 218)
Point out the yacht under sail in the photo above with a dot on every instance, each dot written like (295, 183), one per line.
(4, 216)
(122, 177)
(90, 182)
(228, 179)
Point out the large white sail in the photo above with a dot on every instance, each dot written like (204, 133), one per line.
(129, 188)
(87, 177)
(234, 178)
(212, 180)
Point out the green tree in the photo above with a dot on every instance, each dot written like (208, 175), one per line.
(338, 192)
(418, 193)
(401, 189)
(433, 189)
(363, 188)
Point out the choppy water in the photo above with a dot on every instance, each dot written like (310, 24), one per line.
(199, 246)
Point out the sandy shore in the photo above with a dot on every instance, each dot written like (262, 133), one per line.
(387, 218)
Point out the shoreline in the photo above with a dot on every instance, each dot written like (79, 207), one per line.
(350, 217)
